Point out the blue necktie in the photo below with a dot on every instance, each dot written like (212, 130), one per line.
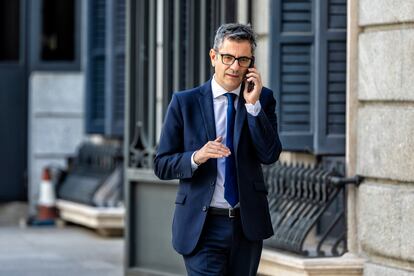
(231, 193)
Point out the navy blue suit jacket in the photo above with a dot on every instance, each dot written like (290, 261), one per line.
(188, 125)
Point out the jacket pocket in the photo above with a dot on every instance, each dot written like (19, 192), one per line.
(180, 199)
(260, 187)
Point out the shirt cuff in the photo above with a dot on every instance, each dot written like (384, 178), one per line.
(253, 109)
(194, 165)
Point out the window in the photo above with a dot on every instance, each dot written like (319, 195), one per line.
(309, 67)
(55, 26)
(58, 30)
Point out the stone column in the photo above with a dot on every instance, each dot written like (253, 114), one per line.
(353, 31)
(261, 27)
(385, 136)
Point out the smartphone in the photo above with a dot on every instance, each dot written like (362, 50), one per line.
(250, 84)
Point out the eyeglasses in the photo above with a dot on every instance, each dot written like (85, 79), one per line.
(228, 59)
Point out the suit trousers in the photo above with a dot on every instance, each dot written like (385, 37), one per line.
(223, 250)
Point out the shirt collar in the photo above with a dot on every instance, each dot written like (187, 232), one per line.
(218, 90)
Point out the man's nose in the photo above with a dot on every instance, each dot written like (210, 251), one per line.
(235, 66)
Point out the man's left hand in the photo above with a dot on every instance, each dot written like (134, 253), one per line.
(254, 76)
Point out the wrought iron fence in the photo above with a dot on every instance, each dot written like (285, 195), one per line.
(298, 198)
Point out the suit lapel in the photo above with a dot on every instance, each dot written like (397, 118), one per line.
(240, 117)
(205, 100)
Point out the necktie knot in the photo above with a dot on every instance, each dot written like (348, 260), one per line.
(231, 97)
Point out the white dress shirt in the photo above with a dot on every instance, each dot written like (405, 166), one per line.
(220, 118)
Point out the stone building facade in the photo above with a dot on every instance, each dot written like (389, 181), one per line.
(379, 142)
(381, 112)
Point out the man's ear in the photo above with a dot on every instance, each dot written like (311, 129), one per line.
(213, 57)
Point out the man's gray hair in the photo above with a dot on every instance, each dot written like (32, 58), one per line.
(234, 31)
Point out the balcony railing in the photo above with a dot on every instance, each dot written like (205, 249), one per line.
(299, 197)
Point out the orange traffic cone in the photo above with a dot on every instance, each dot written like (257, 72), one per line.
(47, 199)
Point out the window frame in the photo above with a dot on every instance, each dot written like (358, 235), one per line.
(36, 63)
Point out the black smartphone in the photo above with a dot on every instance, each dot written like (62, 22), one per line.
(250, 84)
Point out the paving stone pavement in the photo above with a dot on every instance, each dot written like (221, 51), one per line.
(52, 251)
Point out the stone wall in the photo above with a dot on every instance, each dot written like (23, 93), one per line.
(385, 135)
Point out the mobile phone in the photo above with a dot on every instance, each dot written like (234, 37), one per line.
(250, 84)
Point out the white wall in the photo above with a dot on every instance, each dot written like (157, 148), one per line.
(56, 122)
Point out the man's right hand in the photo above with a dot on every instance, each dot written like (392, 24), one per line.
(212, 149)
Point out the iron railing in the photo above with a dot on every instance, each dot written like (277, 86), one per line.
(299, 196)
(95, 177)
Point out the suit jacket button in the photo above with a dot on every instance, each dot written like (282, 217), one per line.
(204, 208)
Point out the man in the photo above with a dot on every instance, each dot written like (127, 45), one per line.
(214, 140)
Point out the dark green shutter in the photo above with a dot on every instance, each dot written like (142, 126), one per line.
(331, 73)
(308, 74)
(95, 104)
(106, 69)
(118, 69)
(292, 44)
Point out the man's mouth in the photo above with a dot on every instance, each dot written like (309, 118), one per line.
(232, 75)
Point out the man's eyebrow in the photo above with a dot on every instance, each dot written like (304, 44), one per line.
(225, 54)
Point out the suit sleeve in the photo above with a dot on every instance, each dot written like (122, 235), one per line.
(263, 130)
(171, 161)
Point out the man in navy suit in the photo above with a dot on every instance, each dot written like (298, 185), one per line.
(214, 139)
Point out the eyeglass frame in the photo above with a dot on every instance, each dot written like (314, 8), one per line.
(234, 59)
